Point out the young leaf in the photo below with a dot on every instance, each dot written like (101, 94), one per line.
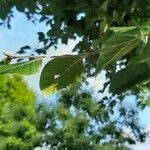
(23, 68)
(128, 77)
(116, 46)
(60, 72)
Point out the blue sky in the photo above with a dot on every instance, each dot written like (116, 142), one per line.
(24, 33)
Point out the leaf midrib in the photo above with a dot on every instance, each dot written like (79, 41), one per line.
(69, 68)
(114, 57)
(114, 46)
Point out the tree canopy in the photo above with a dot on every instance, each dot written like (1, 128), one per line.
(113, 34)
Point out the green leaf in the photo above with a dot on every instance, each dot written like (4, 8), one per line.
(23, 68)
(116, 46)
(128, 77)
(144, 57)
(60, 72)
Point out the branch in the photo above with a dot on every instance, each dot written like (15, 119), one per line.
(84, 55)
(21, 57)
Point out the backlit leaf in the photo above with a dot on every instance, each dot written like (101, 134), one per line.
(60, 72)
(23, 68)
(117, 46)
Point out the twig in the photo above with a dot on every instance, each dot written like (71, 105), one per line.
(84, 55)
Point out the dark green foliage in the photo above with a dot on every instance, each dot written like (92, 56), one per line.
(23, 49)
(94, 22)
(129, 77)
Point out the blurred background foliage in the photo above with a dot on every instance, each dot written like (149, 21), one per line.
(18, 129)
(76, 121)
(80, 121)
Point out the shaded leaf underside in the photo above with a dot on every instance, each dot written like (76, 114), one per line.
(128, 77)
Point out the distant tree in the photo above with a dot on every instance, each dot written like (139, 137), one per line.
(18, 129)
(78, 121)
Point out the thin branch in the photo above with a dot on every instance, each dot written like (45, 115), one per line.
(84, 55)
(21, 57)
